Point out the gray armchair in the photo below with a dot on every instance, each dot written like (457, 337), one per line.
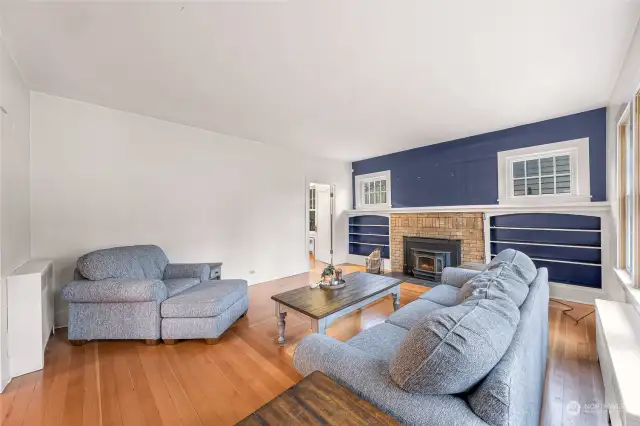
(117, 292)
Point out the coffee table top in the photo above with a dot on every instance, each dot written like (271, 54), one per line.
(318, 303)
(317, 400)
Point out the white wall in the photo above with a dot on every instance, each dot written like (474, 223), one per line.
(14, 186)
(102, 177)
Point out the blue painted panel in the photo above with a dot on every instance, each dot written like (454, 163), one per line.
(363, 250)
(547, 220)
(549, 252)
(465, 171)
(371, 239)
(381, 230)
(591, 239)
(582, 275)
(369, 220)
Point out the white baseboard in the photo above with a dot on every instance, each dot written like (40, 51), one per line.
(575, 293)
(360, 260)
(4, 382)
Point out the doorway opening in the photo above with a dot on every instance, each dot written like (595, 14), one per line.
(320, 225)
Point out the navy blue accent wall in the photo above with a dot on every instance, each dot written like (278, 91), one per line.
(465, 171)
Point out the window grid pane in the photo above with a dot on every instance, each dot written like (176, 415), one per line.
(374, 192)
(542, 176)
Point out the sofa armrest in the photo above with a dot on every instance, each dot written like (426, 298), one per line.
(457, 276)
(369, 378)
(114, 290)
(329, 355)
(187, 270)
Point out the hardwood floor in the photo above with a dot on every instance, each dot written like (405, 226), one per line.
(191, 383)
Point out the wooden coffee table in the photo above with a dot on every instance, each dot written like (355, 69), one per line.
(324, 306)
(317, 400)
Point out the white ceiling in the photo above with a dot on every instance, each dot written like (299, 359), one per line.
(339, 78)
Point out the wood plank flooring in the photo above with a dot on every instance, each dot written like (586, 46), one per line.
(127, 383)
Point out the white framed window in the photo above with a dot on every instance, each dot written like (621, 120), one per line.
(373, 190)
(555, 172)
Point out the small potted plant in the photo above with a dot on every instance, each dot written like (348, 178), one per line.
(327, 274)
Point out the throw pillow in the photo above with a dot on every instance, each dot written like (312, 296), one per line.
(452, 349)
(523, 265)
(500, 277)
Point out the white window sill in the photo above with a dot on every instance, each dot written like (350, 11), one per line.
(374, 207)
(545, 200)
(632, 294)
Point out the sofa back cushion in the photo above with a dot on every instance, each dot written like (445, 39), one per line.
(451, 349)
(501, 277)
(136, 262)
(511, 394)
(522, 264)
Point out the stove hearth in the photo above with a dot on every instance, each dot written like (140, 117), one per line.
(426, 258)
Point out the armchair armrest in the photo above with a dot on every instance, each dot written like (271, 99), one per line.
(187, 270)
(457, 276)
(114, 290)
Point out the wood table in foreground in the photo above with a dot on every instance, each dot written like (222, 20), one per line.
(317, 400)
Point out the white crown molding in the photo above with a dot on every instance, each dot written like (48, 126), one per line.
(496, 209)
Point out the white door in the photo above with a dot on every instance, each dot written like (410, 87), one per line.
(323, 223)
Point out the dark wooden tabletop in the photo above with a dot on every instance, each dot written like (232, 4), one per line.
(317, 400)
(318, 303)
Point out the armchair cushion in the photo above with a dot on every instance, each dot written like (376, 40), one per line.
(114, 290)
(187, 270)
(178, 285)
(135, 262)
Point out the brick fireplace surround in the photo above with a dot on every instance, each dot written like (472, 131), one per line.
(467, 227)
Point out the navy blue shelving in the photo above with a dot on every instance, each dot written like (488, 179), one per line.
(368, 232)
(568, 245)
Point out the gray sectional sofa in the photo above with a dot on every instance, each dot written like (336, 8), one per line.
(471, 351)
(135, 293)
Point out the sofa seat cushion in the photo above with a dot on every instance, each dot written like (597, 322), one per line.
(452, 349)
(135, 262)
(442, 294)
(207, 299)
(409, 315)
(380, 341)
(501, 277)
(178, 285)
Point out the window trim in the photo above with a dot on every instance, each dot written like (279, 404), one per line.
(577, 149)
(621, 159)
(312, 205)
(360, 179)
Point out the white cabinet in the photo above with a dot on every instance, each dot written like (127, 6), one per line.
(30, 315)
(618, 343)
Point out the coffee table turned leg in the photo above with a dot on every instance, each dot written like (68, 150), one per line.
(396, 301)
(281, 324)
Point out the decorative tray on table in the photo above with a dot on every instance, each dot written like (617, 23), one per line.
(334, 285)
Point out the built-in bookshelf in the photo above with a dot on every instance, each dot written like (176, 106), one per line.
(368, 232)
(568, 245)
